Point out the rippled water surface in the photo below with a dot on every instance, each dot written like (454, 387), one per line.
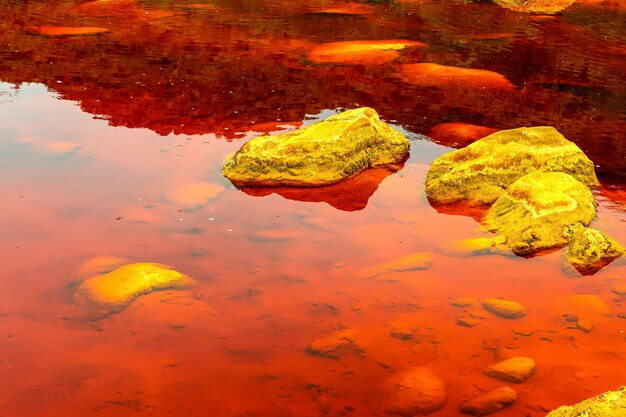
(110, 142)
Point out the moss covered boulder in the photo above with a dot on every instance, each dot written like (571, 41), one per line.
(482, 171)
(112, 292)
(591, 250)
(612, 403)
(539, 211)
(321, 154)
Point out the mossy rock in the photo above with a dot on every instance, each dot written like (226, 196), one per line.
(540, 210)
(321, 154)
(591, 250)
(482, 171)
(611, 403)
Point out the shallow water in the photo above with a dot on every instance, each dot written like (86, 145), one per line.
(103, 137)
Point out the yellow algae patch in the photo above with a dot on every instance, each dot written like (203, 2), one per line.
(536, 6)
(539, 210)
(482, 171)
(110, 293)
(414, 262)
(435, 75)
(591, 250)
(194, 194)
(67, 30)
(321, 154)
(361, 52)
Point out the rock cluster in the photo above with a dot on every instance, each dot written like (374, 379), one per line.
(539, 187)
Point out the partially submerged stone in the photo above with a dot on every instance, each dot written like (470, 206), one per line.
(504, 308)
(516, 370)
(482, 171)
(193, 195)
(590, 250)
(414, 262)
(361, 52)
(535, 6)
(47, 30)
(112, 292)
(489, 402)
(459, 134)
(434, 75)
(321, 154)
(479, 246)
(539, 210)
(416, 392)
(611, 403)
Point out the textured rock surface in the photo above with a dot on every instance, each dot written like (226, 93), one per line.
(482, 171)
(340, 343)
(609, 404)
(591, 250)
(539, 210)
(489, 402)
(112, 292)
(361, 52)
(504, 308)
(516, 370)
(320, 154)
(535, 6)
(415, 392)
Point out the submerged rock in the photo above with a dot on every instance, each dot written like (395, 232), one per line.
(416, 392)
(611, 403)
(591, 250)
(340, 343)
(434, 75)
(516, 370)
(67, 30)
(535, 6)
(459, 134)
(112, 292)
(482, 171)
(504, 308)
(193, 195)
(414, 262)
(361, 52)
(489, 402)
(539, 210)
(321, 154)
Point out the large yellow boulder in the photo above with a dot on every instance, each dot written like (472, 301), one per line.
(320, 154)
(112, 292)
(612, 403)
(482, 171)
(540, 210)
(591, 250)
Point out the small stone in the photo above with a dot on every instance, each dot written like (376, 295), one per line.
(415, 262)
(416, 392)
(489, 402)
(504, 308)
(619, 290)
(522, 331)
(462, 302)
(584, 325)
(516, 370)
(590, 250)
(334, 346)
(467, 322)
(403, 331)
(361, 52)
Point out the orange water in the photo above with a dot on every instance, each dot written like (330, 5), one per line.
(95, 131)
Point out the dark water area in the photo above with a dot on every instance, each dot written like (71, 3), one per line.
(112, 144)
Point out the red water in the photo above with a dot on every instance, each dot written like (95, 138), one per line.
(97, 131)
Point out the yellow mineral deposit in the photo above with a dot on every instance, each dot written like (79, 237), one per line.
(112, 292)
(536, 6)
(321, 154)
(361, 52)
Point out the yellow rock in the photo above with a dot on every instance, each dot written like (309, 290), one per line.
(414, 262)
(320, 154)
(535, 6)
(539, 211)
(482, 171)
(504, 308)
(112, 292)
(591, 250)
(612, 403)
